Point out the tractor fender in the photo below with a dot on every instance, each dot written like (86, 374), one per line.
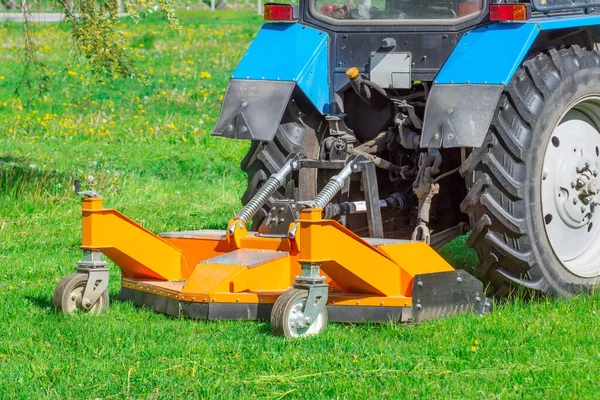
(465, 92)
(284, 62)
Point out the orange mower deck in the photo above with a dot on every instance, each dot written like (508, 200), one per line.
(236, 274)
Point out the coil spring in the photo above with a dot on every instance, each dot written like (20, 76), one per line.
(327, 194)
(260, 198)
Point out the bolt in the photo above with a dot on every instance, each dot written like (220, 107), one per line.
(575, 201)
(308, 320)
(420, 284)
(478, 299)
(573, 184)
(459, 279)
(87, 303)
(587, 164)
(419, 306)
(583, 210)
(586, 201)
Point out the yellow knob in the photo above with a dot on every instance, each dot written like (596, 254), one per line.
(352, 72)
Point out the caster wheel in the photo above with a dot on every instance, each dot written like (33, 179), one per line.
(69, 292)
(287, 317)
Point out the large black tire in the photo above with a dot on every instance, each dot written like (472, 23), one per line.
(265, 158)
(504, 176)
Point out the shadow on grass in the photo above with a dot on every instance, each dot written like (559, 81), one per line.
(42, 302)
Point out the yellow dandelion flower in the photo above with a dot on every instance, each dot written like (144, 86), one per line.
(205, 75)
(475, 342)
(11, 287)
(473, 349)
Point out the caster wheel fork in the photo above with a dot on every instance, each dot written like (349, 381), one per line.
(85, 291)
(302, 311)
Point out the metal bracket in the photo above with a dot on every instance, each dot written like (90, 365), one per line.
(279, 218)
(439, 239)
(370, 187)
(98, 275)
(318, 291)
(441, 294)
(87, 193)
(316, 301)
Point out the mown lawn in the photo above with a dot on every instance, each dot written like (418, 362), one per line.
(145, 145)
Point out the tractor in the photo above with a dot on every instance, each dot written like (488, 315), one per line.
(477, 114)
(381, 130)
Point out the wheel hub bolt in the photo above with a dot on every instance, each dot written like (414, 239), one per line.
(87, 303)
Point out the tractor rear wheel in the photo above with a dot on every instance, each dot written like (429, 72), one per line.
(265, 158)
(532, 200)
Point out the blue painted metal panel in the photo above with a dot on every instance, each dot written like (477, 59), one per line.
(290, 52)
(489, 54)
(492, 54)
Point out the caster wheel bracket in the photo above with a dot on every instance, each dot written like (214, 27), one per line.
(97, 282)
(315, 303)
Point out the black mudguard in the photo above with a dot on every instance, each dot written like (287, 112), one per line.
(253, 109)
(459, 115)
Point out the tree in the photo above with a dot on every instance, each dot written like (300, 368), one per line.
(96, 33)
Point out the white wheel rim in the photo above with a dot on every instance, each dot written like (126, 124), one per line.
(569, 190)
(295, 321)
(75, 298)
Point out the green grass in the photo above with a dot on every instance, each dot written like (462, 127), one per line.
(172, 178)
